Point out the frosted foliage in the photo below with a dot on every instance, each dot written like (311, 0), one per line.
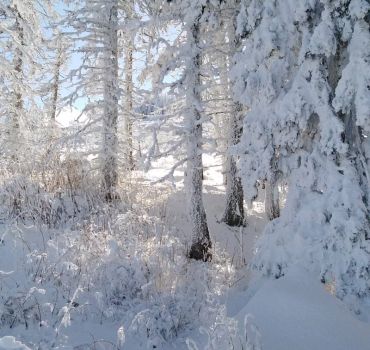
(184, 57)
(97, 77)
(283, 76)
(354, 87)
(323, 39)
(359, 8)
(21, 38)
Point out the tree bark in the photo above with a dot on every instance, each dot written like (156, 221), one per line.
(272, 206)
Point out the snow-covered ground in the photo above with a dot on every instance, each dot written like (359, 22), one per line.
(293, 312)
(297, 312)
(241, 309)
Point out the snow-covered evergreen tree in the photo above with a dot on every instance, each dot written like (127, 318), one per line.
(294, 130)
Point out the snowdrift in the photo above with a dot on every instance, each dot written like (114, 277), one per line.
(297, 312)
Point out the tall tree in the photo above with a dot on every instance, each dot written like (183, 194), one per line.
(185, 116)
(201, 242)
(20, 55)
(129, 89)
(95, 32)
(234, 210)
(111, 96)
(18, 69)
(286, 59)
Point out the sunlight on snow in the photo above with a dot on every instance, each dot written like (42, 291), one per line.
(69, 116)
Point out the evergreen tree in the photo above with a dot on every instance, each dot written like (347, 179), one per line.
(284, 76)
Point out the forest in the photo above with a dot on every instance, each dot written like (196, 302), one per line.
(185, 174)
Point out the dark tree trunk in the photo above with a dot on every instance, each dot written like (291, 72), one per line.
(272, 206)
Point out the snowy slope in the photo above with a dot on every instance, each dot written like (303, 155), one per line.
(8, 342)
(297, 313)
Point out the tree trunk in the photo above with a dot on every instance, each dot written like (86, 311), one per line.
(18, 98)
(272, 206)
(129, 103)
(110, 114)
(234, 211)
(201, 242)
(55, 87)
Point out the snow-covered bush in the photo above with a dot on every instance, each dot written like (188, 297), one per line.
(127, 270)
(51, 194)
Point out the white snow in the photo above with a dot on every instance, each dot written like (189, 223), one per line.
(297, 312)
(293, 312)
(10, 343)
(68, 116)
(82, 270)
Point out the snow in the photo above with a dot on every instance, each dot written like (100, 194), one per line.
(293, 312)
(297, 312)
(69, 116)
(306, 96)
(81, 270)
(10, 343)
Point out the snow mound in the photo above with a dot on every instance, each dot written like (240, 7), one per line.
(10, 343)
(296, 312)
